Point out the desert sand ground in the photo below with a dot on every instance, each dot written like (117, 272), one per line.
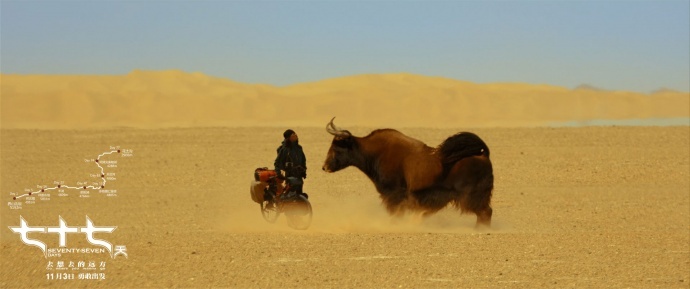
(598, 207)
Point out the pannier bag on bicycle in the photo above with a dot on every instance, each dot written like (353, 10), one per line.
(261, 178)
(264, 174)
(256, 191)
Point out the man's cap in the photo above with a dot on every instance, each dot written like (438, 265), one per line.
(288, 133)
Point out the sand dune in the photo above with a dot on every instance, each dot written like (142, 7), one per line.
(150, 99)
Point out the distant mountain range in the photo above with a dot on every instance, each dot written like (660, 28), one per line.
(151, 99)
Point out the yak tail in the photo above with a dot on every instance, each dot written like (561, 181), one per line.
(459, 146)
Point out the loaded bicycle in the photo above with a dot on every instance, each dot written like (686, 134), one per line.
(275, 199)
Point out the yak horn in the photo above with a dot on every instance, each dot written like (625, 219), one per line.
(330, 128)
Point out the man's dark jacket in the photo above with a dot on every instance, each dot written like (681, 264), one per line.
(291, 159)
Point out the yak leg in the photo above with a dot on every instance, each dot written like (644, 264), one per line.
(484, 217)
(473, 181)
(432, 200)
(482, 200)
(395, 202)
(470, 201)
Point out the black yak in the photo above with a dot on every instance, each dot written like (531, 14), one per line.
(409, 175)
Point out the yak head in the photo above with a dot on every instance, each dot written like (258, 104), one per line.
(342, 153)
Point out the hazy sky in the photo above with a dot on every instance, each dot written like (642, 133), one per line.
(621, 45)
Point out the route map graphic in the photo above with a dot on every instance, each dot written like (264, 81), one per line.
(104, 161)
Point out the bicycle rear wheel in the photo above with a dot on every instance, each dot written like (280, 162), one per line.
(298, 213)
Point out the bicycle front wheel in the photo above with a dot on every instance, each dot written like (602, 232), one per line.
(270, 211)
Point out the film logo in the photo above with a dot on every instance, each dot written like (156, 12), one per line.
(63, 230)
